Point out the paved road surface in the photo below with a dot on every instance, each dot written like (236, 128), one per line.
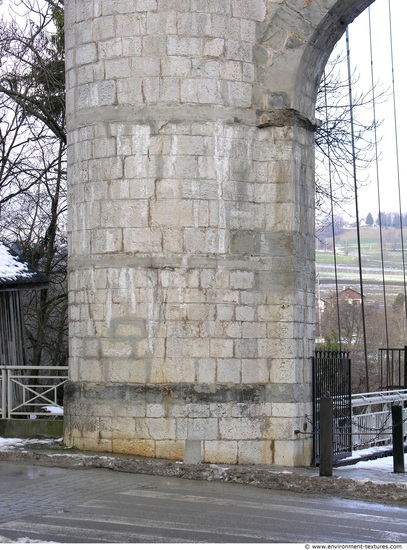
(98, 505)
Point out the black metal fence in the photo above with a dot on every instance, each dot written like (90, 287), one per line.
(393, 368)
(332, 378)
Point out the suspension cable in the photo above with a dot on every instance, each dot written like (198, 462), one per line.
(356, 206)
(397, 158)
(378, 180)
(333, 220)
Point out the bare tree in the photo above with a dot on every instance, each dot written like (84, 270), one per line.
(338, 150)
(33, 164)
(349, 336)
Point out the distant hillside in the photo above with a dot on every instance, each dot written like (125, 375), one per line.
(376, 250)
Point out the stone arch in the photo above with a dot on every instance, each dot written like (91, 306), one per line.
(294, 45)
(319, 48)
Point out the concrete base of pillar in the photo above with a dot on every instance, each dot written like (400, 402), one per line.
(213, 424)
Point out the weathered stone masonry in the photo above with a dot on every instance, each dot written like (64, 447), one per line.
(191, 223)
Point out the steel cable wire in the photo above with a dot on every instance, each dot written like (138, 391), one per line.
(378, 180)
(397, 157)
(356, 205)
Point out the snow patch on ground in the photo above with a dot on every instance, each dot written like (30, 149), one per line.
(25, 540)
(367, 460)
(13, 443)
(54, 409)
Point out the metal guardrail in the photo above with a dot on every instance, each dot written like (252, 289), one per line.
(371, 416)
(28, 392)
(372, 398)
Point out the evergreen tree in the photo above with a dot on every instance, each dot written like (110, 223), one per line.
(369, 220)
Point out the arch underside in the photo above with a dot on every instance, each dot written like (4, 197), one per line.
(300, 45)
(320, 46)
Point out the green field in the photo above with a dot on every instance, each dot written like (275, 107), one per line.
(381, 259)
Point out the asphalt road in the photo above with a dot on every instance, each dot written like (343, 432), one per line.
(99, 505)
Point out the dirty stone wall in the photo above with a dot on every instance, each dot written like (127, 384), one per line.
(191, 197)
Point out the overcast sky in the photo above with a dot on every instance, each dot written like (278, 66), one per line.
(387, 18)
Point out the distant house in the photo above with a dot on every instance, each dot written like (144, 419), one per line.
(15, 276)
(350, 296)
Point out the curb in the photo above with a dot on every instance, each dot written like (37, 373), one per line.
(257, 476)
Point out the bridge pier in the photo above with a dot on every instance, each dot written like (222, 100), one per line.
(191, 228)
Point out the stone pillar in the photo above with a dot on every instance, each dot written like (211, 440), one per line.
(191, 243)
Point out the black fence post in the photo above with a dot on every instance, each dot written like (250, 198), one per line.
(405, 367)
(398, 439)
(326, 437)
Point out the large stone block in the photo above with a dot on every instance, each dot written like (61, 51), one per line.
(220, 452)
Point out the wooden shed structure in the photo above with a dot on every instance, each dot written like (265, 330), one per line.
(15, 276)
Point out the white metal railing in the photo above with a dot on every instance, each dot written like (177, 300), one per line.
(371, 416)
(30, 392)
